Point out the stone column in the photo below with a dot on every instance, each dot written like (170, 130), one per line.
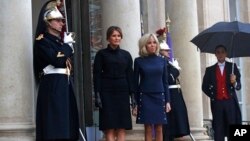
(245, 79)
(184, 26)
(125, 14)
(16, 85)
(242, 7)
(154, 14)
(210, 12)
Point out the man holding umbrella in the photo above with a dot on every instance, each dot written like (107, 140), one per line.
(219, 84)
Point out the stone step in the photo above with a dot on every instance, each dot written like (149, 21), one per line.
(185, 138)
(137, 134)
(131, 138)
(136, 130)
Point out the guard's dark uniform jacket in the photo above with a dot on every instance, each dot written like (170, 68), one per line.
(57, 114)
(178, 116)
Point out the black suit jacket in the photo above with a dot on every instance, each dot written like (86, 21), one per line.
(209, 84)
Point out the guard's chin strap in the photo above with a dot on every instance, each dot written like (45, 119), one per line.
(56, 30)
(53, 28)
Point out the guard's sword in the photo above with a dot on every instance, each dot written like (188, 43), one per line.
(67, 30)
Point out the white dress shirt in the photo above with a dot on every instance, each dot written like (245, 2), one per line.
(221, 66)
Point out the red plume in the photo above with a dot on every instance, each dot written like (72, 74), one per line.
(161, 31)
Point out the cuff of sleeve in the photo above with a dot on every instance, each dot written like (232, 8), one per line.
(235, 84)
(68, 51)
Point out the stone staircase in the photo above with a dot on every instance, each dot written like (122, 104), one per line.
(137, 134)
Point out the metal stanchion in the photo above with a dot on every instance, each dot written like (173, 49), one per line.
(82, 135)
(192, 137)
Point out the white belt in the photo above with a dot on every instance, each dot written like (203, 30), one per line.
(51, 70)
(174, 86)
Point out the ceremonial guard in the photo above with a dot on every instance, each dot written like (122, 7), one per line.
(178, 125)
(56, 113)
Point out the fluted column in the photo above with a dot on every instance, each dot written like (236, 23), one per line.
(210, 12)
(243, 6)
(16, 85)
(154, 14)
(125, 14)
(184, 26)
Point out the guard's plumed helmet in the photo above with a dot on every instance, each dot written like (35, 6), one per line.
(52, 13)
(164, 46)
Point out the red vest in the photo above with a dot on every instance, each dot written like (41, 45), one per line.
(222, 92)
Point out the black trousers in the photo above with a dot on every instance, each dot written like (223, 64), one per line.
(224, 114)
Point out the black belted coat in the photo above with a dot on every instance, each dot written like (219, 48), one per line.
(56, 113)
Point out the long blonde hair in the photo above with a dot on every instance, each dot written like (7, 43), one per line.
(143, 42)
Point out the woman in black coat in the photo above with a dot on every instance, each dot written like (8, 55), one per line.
(56, 114)
(113, 76)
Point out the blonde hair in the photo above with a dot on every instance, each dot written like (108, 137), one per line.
(143, 43)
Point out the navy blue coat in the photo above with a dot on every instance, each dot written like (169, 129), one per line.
(151, 88)
(151, 75)
(57, 114)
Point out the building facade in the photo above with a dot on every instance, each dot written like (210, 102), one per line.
(90, 19)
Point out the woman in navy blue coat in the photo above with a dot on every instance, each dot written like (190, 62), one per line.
(151, 87)
(56, 114)
(113, 85)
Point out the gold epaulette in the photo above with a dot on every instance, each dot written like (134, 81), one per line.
(39, 37)
(60, 54)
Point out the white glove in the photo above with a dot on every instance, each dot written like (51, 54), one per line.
(176, 64)
(69, 40)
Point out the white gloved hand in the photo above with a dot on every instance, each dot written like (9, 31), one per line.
(69, 40)
(176, 64)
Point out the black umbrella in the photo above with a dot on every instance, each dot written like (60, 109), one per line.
(235, 36)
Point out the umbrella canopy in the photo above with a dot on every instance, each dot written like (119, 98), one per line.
(235, 36)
